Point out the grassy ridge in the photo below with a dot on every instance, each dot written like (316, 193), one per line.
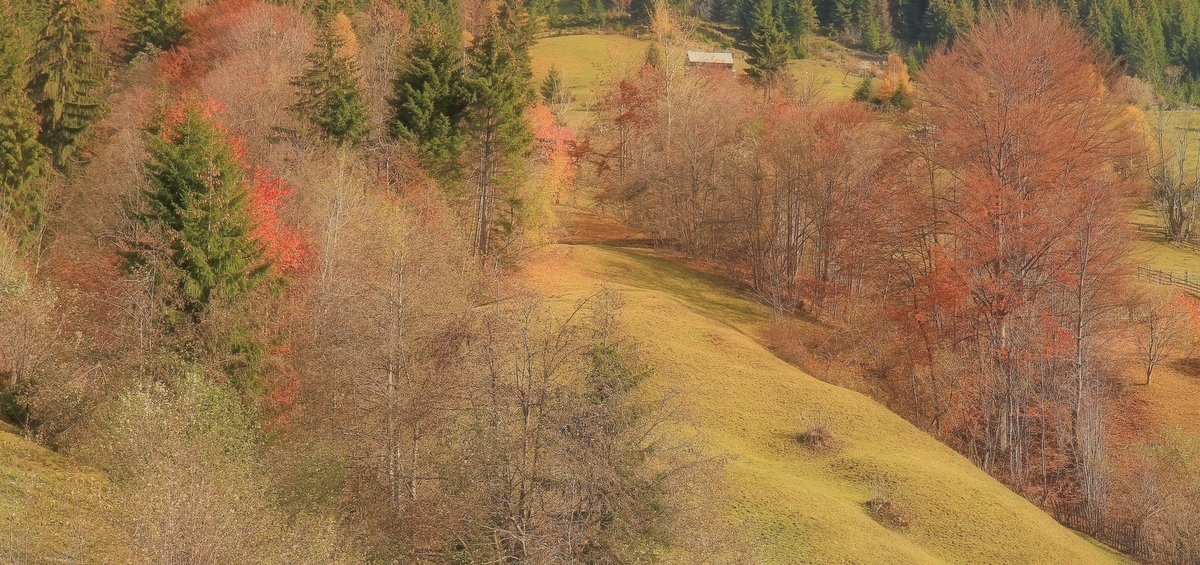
(741, 401)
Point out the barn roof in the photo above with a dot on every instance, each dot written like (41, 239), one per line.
(705, 57)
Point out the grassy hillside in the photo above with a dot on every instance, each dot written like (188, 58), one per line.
(48, 505)
(801, 504)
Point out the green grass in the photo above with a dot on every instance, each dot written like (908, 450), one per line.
(49, 505)
(1180, 125)
(588, 64)
(742, 402)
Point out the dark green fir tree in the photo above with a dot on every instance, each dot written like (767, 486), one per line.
(329, 94)
(768, 47)
(153, 23)
(68, 74)
(22, 157)
(499, 80)
(197, 219)
(429, 103)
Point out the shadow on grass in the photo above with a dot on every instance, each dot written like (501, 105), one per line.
(713, 296)
(1187, 367)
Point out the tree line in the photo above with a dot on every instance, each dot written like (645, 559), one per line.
(1156, 40)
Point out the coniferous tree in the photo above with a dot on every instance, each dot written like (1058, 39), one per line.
(1099, 23)
(22, 158)
(768, 47)
(554, 88)
(429, 103)
(640, 11)
(944, 19)
(326, 10)
(330, 98)
(585, 12)
(153, 23)
(653, 56)
(67, 77)
(800, 21)
(499, 76)
(1146, 52)
(197, 215)
(875, 38)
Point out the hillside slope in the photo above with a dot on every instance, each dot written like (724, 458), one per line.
(798, 504)
(49, 506)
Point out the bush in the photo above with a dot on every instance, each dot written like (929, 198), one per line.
(883, 506)
(819, 435)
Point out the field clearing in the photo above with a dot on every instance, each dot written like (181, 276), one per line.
(1152, 249)
(591, 62)
(741, 401)
(588, 64)
(1181, 126)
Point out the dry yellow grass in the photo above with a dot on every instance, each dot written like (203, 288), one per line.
(49, 506)
(740, 401)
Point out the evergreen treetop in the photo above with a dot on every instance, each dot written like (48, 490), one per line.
(197, 215)
(67, 78)
(330, 97)
(22, 157)
(153, 23)
(429, 103)
(768, 47)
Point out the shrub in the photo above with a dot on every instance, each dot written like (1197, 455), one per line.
(883, 506)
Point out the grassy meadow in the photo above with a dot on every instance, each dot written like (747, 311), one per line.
(591, 62)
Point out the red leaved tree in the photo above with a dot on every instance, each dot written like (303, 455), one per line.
(1021, 149)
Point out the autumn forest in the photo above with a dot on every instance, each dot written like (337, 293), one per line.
(599, 281)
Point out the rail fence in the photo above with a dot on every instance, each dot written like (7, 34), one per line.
(1125, 536)
(1185, 280)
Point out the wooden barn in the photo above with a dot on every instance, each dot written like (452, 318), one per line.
(709, 60)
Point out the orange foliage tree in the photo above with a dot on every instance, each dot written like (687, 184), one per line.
(1017, 230)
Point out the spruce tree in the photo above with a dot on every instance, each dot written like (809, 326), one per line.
(330, 98)
(67, 77)
(153, 23)
(22, 158)
(500, 77)
(197, 215)
(554, 88)
(640, 11)
(1099, 24)
(800, 20)
(875, 37)
(768, 47)
(584, 12)
(429, 103)
(653, 56)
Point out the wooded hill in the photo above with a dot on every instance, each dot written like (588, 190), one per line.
(284, 283)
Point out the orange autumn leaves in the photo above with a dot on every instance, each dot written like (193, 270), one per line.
(282, 245)
(555, 145)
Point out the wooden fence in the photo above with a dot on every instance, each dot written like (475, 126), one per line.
(1122, 535)
(1185, 280)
